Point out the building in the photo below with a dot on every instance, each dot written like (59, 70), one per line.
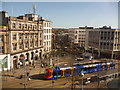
(105, 41)
(24, 36)
(4, 56)
(79, 36)
(47, 38)
(3, 39)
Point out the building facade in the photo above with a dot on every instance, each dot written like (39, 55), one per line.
(105, 41)
(3, 39)
(25, 38)
(47, 38)
(79, 36)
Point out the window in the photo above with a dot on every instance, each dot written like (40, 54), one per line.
(68, 72)
(40, 35)
(54, 73)
(40, 42)
(45, 37)
(1, 49)
(14, 46)
(50, 31)
(31, 27)
(101, 37)
(25, 26)
(31, 35)
(13, 25)
(26, 35)
(26, 44)
(35, 27)
(20, 36)
(76, 37)
(36, 43)
(21, 45)
(75, 70)
(19, 26)
(31, 43)
(35, 35)
(39, 27)
(14, 36)
(1, 38)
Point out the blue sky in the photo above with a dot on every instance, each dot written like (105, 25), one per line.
(69, 14)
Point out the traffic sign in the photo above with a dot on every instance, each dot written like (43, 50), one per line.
(22, 57)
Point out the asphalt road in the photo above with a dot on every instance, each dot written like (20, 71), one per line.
(38, 82)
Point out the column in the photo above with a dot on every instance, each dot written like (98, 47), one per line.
(99, 54)
(112, 55)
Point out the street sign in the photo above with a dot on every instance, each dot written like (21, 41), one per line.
(22, 57)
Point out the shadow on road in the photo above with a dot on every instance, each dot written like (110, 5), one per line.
(37, 76)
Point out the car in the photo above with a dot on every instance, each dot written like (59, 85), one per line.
(86, 81)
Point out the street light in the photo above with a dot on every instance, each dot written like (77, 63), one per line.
(53, 83)
(81, 75)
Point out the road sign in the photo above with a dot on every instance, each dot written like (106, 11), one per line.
(22, 57)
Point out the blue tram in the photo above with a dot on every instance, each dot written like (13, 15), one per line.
(54, 73)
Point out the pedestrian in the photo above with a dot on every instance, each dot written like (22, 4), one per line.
(42, 65)
(45, 64)
(21, 76)
(53, 65)
(18, 66)
(28, 75)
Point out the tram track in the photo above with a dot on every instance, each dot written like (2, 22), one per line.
(48, 83)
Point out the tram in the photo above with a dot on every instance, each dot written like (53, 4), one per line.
(60, 72)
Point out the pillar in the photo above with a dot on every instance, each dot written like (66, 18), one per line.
(112, 55)
(99, 54)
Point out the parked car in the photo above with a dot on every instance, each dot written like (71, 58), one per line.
(86, 81)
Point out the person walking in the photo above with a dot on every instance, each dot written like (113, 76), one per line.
(28, 75)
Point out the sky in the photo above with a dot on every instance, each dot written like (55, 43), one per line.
(69, 14)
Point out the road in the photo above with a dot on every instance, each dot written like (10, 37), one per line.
(36, 74)
(37, 79)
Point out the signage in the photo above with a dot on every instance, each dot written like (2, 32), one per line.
(22, 57)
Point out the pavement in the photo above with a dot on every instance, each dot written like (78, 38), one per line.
(8, 76)
(35, 72)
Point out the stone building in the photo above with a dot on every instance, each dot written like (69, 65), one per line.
(106, 41)
(79, 36)
(25, 38)
(47, 37)
(3, 40)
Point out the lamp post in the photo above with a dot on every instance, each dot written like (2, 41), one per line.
(81, 75)
(72, 81)
(53, 78)
(53, 83)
